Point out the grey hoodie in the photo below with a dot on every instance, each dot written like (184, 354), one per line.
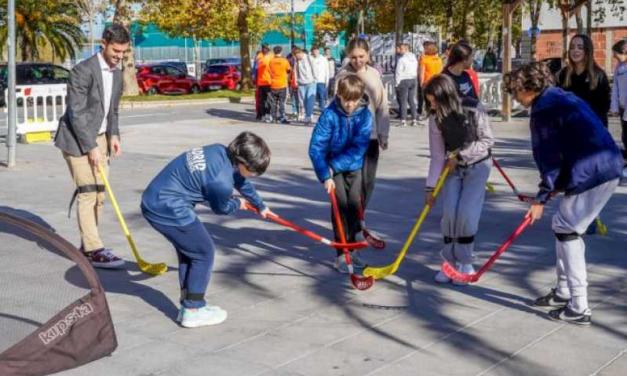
(305, 74)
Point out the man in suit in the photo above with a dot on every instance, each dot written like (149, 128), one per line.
(88, 134)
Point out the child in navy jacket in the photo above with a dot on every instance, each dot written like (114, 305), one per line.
(576, 155)
(202, 175)
(338, 144)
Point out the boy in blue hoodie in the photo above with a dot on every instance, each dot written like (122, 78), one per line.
(203, 175)
(337, 147)
(576, 155)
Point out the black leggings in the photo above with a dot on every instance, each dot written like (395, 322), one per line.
(369, 170)
(348, 190)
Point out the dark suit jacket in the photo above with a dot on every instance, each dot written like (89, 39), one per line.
(79, 125)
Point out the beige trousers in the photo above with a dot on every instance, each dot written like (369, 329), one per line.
(89, 204)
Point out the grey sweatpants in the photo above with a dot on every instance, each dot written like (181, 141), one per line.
(575, 214)
(463, 194)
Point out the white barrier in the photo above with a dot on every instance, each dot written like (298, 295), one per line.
(490, 90)
(39, 107)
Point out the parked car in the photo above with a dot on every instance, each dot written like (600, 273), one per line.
(33, 74)
(218, 77)
(165, 79)
(180, 65)
(224, 61)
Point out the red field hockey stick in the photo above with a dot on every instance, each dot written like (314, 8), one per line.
(520, 196)
(455, 274)
(310, 234)
(358, 282)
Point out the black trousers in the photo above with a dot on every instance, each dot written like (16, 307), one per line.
(421, 99)
(406, 92)
(277, 103)
(369, 171)
(348, 190)
(264, 98)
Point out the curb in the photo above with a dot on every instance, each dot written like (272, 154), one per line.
(129, 105)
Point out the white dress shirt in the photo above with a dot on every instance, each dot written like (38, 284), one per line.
(107, 83)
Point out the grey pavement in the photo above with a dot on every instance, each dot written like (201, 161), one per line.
(290, 313)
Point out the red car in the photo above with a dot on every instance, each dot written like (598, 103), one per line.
(222, 76)
(165, 79)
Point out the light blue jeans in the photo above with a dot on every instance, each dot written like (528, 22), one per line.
(307, 94)
(463, 194)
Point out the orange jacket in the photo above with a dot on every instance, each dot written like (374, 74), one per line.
(263, 70)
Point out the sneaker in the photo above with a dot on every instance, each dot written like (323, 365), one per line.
(207, 315)
(179, 316)
(285, 121)
(357, 261)
(403, 123)
(340, 264)
(568, 315)
(440, 277)
(466, 269)
(551, 300)
(268, 119)
(104, 259)
(414, 123)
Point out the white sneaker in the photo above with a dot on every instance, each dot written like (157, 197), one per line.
(207, 315)
(403, 123)
(465, 269)
(357, 261)
(440, 277)
(414, 123)
(340, 264)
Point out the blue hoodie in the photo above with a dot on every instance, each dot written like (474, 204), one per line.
(572, 149)
(339, 141)
(201, 175)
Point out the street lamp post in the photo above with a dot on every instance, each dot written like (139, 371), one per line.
(292, 24)
(11, 103)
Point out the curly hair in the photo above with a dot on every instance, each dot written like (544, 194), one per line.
(531, 77)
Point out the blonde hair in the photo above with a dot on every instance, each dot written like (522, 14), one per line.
(351, 88)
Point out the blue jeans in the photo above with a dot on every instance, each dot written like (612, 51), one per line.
(307, 93)
(462, 202)
(195, 250)
(321, 95)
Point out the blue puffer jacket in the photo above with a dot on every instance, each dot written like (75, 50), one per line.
(339, 141)
(572, 149)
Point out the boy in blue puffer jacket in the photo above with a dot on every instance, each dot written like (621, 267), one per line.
(338, 144)
(576, 155)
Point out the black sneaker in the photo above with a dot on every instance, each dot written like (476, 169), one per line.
(568, 315)
(551, 300)
(285, 121)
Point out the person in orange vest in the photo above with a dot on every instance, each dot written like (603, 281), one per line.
(264, 81)
(430, 65)
(279, 68)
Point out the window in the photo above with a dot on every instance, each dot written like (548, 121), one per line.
(219, 69)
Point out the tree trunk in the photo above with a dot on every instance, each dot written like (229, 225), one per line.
(399, 20)
(564, 8)
(244, 44)
(449, 19)
(463, 33)
(123, 18)
(579, 21)
(589, 18)
(535, 9)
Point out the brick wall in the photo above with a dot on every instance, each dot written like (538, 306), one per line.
(549, 44)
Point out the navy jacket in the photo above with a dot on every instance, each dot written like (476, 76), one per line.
(201, 175)
(339, 141)
(572, 149)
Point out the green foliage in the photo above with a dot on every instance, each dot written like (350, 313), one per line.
(44, 24)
